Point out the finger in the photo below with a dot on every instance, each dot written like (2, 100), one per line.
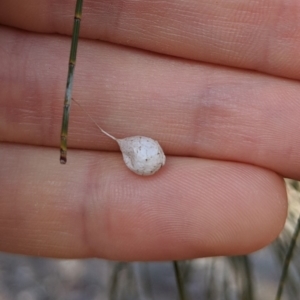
(260, 35)
(94, 206)
(191, 109)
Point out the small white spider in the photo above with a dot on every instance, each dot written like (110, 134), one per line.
(142, 155)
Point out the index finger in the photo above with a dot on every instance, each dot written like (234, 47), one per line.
(258, 35)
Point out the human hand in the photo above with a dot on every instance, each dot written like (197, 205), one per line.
(230, 133)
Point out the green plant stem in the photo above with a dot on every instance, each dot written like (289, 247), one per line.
(287, 260)
(179, 281)
(69, 86)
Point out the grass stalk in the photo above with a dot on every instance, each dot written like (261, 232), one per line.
(287, 260)
(179, 281)
(69, 86)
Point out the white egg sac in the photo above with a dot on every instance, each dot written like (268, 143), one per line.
(142, 155)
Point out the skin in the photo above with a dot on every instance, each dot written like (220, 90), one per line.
(215, 82)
